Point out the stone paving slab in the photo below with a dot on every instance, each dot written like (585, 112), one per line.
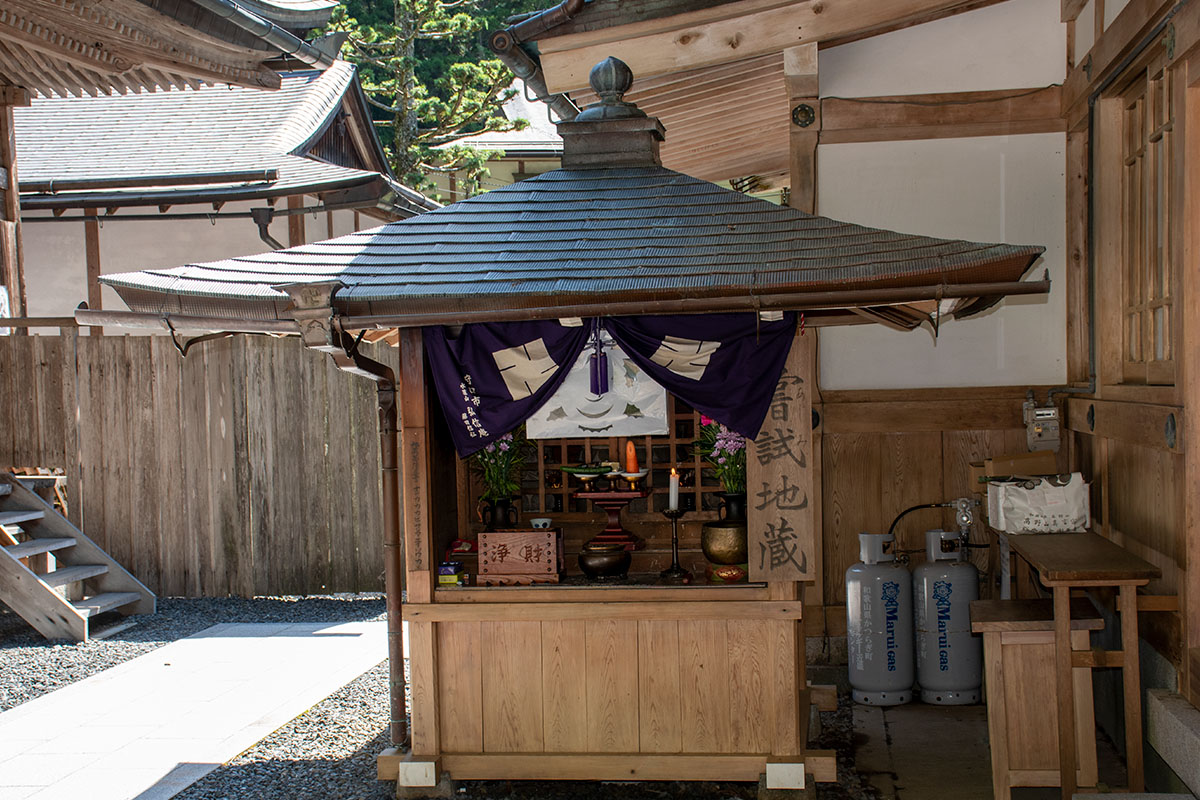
(149, 727)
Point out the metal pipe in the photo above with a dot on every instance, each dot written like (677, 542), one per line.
(190, 179)
(351, 360)
(537, 24)
(183, 322)
(268, 32)
(38, 322)
(528, 70)
(801, 301)
(211, 216)
(506, 45)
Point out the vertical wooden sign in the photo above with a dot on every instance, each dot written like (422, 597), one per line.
(779, 480)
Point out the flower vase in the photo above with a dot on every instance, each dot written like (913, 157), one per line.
(724, 541)
(499, 513)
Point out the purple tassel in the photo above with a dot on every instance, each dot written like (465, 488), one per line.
(599, 372)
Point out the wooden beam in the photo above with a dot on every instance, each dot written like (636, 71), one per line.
(922, 415)
(295, 221)
(804, 110)
(1132, 423)
(630, 610)
(1071, 9)
(1130, 26)
(12, 270)
(14, 96)
(1189, 383)
(940, 116)
(91, 240)
(743, 30)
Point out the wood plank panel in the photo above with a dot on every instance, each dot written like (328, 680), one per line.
(661, 721)
(460, 686)
(196, 471)
(1145, 505)
(165, 508)
(423, 685)
(704, 688)
(564, 685)
(311, 391)
(512, 700)
(612, 685)
(116, 475)
(260, 437)
(750, 691)
(911, 473)
(850, 503)
(343, 513)
(786, 648)
(150, 433)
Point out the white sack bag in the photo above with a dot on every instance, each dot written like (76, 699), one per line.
(1040, 505)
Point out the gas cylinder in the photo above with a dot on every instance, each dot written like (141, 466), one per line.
(949, 656)
(879, 625)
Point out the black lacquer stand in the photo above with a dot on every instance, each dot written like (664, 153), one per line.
(675, 573)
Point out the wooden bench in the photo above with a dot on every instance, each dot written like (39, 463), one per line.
(1018, 654)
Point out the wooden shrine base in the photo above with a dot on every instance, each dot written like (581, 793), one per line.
(820, 764)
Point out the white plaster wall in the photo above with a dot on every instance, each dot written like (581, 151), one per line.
(991, 189)
(1010, 45)
(55, 266)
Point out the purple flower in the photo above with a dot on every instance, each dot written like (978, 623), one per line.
(503, 446)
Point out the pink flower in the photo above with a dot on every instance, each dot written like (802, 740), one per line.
(706, 420)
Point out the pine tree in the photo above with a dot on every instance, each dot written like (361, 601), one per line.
(429, 78)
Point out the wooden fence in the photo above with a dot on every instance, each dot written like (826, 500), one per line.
(249, 467)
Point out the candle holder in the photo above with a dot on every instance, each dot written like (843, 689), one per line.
(675, 573)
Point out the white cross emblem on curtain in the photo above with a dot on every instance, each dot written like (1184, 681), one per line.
(685, 357)
(525, 368)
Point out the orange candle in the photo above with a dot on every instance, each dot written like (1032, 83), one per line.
(631, 464)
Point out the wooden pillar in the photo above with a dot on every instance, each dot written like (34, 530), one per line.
(804, 106)
(1189, 382)
(12, 272)
(419, 559)
(295, 221)
(91, 249)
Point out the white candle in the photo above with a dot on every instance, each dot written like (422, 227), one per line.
(673, 505)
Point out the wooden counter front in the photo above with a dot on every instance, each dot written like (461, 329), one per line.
(620, 672)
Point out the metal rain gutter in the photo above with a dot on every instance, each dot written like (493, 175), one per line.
(268, 32)
(506, 44)
(795, 301)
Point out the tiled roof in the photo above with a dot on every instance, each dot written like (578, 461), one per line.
(569, 236)
(180, 133)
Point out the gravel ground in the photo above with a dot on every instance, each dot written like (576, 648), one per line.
(328, 753)
(34, 666)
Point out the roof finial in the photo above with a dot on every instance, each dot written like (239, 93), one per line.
(610, 79)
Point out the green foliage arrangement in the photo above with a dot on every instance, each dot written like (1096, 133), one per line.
(499, 465)
(429, 78)
(725, 451)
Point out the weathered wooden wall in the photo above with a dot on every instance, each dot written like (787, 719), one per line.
(249, 467)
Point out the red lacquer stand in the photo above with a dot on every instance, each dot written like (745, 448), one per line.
(612, 502)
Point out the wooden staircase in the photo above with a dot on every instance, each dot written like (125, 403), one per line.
(86, 580)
